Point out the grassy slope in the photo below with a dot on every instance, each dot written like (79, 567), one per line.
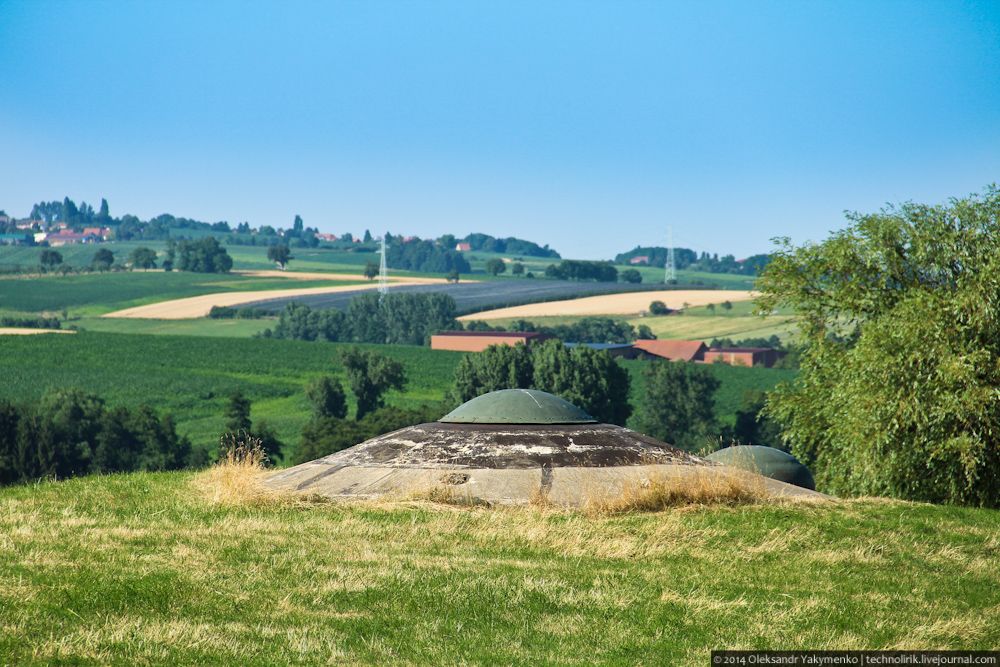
(192, 377)
(139, 569)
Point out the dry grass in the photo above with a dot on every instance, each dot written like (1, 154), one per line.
(702, 485)
(238, 478)
(626, 303)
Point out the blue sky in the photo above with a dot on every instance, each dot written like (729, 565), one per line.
(589, 126)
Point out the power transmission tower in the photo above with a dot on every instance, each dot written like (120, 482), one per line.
(383, 271)
(670, 274)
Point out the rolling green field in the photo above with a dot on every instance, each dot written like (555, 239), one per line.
(96, 293)
(192, 377)
(143, 569)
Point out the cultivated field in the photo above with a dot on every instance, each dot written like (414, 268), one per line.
(99, 293)
(192, 377)
(200, 306)
(143, 569)
(614, 304)
(476, 296)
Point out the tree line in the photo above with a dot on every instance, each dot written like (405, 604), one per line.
(584, 330)
(70, 432)
(685, 258)
(406, 319)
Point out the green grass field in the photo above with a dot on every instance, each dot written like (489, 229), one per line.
(142, 569)
(202, 326)
(96, 293)
(192, 377)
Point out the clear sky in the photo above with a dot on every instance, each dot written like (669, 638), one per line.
(590, 126)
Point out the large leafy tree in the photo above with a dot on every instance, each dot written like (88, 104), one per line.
(280, 253)
(371, 375)
(899, 388)
(143, 258)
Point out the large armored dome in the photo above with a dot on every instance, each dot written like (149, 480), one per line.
(508, 446)
(517, 406)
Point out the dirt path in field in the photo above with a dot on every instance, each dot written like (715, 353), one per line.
(199, 306)
(23, 331)
(629, 303)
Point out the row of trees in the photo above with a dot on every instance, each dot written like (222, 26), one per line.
(426, 256)
(509, 245)
(574, 269)
(586, 330)
(408, 319)
(70, 432)
(685, 258)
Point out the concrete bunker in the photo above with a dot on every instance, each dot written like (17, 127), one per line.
(505, 447)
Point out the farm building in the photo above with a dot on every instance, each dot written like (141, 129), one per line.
(477, 341)
(640, 259)
(674, 350)
(743, 356)
(463, 246)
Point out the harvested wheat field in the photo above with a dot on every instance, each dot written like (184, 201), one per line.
(199, 306)
(181, 568)
(628, 303)
(24, 331)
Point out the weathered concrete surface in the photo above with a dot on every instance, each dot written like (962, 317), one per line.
(505, 464)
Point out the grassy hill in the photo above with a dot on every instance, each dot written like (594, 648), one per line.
(142, 569)
(192, 377)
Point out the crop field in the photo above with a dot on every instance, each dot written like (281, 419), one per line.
(145, 569)
(193, 377)
(631, 303)
(97, 293)
(472, 297)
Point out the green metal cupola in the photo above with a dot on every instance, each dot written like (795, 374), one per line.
(517, 406)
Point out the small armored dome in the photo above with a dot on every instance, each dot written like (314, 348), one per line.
(517, 406)
(767, 461)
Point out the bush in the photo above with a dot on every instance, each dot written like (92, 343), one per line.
(658, 308)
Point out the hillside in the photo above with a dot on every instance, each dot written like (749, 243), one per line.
(141, 569)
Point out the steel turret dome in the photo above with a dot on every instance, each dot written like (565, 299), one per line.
(517, 406)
